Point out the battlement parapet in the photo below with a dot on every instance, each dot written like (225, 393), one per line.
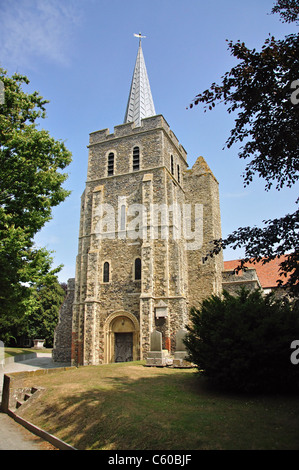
(130, 128)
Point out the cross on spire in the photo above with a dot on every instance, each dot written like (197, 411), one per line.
(140, 37)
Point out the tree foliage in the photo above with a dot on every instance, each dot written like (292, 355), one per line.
(41, 322)
(288, 10)
(40, 316)
(259, 91)
(31, 184)
(243, 343)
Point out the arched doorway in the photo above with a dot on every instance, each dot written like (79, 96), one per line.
(121, 338)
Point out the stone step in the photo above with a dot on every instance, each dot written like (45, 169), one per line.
(26, 396)
(19, 403)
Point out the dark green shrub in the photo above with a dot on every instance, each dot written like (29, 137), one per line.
(243, 343)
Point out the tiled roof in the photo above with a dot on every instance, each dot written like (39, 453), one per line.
(268, 273)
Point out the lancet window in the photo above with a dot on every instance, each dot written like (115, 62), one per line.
(106, 272)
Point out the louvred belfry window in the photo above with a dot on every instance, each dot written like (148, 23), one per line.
(110, 164)
(136, 158)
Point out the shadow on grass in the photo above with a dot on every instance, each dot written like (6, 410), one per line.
(166, 410)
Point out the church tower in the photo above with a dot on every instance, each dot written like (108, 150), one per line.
(144, 225)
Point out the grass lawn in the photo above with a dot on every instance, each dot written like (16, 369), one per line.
(8, 352)
(131, 407)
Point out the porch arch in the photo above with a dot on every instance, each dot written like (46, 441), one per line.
(120, 322)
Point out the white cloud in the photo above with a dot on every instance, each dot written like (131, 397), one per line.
(31, 30)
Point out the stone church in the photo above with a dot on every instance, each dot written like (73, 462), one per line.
(146, 224)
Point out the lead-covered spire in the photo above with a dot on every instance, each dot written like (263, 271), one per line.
(140, 103)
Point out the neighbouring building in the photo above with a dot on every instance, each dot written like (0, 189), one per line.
(263, 275)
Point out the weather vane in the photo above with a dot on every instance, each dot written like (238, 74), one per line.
(139, 36)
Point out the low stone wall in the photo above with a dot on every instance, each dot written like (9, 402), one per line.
(13, 385)
(13, 389)
(19, 358)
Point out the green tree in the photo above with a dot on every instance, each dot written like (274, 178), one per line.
(260, 90)
(243, 343)
(21, 300)
(31, 183)
(40, 317)
(41, 321)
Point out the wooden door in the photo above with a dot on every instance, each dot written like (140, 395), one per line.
(123, 350)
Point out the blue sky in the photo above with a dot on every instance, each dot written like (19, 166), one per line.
(80, 55)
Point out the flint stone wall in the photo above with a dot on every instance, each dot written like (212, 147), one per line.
(63, 332)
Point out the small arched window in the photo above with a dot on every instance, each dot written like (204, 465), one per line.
(110, 164)
(106, 272)
(179, 174)
(137, 269)
(171, 165)
(136, 159)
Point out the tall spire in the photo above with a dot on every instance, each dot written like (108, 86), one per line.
(140, 103)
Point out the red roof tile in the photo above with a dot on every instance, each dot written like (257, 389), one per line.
(268, 273)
